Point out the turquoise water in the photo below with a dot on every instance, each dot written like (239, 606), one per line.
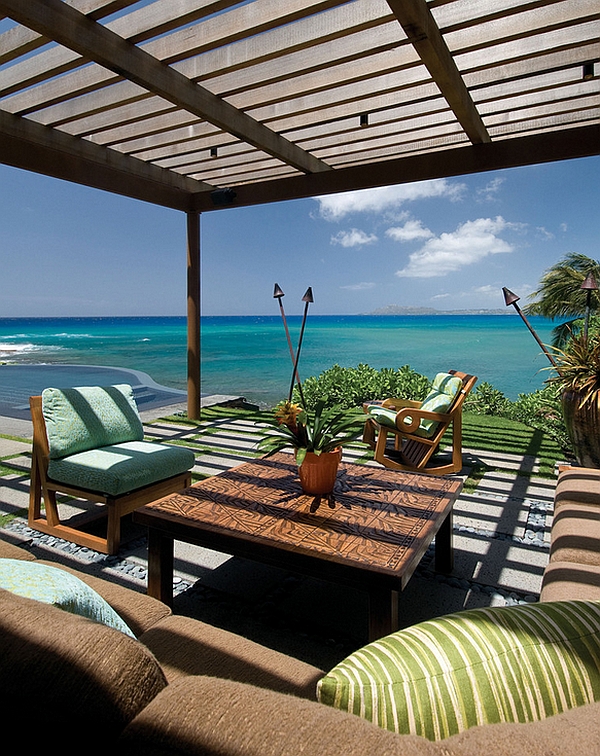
(249, 356)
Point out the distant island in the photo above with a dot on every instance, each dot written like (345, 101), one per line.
(397, 310)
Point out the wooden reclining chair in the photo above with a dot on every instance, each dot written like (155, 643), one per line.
(88, 443)
(418, 427)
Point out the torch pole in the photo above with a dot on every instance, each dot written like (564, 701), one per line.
(307, 299)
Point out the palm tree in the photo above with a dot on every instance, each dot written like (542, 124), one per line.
(560, 296)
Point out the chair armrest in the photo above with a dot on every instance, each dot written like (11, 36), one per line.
(416, 415)
(400, 403)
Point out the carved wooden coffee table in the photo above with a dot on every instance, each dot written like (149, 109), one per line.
(373, 538)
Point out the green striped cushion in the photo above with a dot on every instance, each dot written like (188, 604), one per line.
(438, 678)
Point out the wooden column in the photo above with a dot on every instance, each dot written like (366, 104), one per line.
(193, 314)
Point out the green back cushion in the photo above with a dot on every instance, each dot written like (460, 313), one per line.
(438, 678)
(444, 389)
(52, 585)
(78, 419)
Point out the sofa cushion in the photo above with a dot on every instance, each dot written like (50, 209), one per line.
(576, 533)
(135, 607)
(185, 646)
(68, 679)
(12, 551)
(564, 581)
(573, 732)
(580, 484)
(121, 468)
(52, 585)
(438, 678)
(88, 417)
(207, 716)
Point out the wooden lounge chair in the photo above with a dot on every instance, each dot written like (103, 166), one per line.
(88, 443)
(418, 427)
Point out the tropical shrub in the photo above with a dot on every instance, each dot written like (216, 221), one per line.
(351, 387)
(487, 400)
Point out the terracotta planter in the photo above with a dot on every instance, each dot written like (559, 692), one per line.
(318, 472)
(583, 428)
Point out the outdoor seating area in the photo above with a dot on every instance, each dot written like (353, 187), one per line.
(194, 667)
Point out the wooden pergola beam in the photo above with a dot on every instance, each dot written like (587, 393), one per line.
(32, 147)
(548, 147)
(424, 34)
(72, 29)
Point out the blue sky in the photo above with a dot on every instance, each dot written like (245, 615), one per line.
(451, 244)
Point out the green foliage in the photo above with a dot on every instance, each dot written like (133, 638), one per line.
(351, 387)
(578, 368)
(487, 400)
(560, 294)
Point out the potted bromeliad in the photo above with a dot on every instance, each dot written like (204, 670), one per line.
(578, 378)
(317, 438)
(316, 435)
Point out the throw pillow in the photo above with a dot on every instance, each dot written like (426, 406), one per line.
(52, 585)
(438, 678)
(89, 417)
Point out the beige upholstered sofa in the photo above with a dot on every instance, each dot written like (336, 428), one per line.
(183, 687)
(574, 568)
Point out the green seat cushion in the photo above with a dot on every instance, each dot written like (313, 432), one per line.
(78, 419)
(120, 468)
(382, 415)
(509, 664)
(62, 589)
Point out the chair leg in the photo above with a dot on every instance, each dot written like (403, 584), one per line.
(113, 528)
(369, 433)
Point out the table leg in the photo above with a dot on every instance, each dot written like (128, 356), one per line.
(160, 566)
(383, 612)
(444, 550)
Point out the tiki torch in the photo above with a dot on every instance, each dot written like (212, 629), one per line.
(278, 294)
(307, 299)
(512, 299)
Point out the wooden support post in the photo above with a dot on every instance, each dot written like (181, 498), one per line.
(193, 315)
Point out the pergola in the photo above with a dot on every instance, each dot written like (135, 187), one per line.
(201, 105)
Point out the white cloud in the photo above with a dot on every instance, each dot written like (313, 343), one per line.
(489, 192)
(353, 238)
(336, 206)
(411, 230)
(543, 233)
(471, 242)
(359, 286)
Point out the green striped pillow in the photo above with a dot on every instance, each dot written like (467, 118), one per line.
(438, 678)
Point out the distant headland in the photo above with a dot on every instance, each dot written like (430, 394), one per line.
(397, 310)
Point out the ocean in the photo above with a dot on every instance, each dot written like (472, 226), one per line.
(249, 356)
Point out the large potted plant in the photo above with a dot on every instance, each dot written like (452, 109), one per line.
(578, 377)
(317, 438)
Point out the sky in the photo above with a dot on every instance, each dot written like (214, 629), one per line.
(449, 244)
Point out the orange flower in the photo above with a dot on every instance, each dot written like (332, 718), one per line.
(287, 414)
